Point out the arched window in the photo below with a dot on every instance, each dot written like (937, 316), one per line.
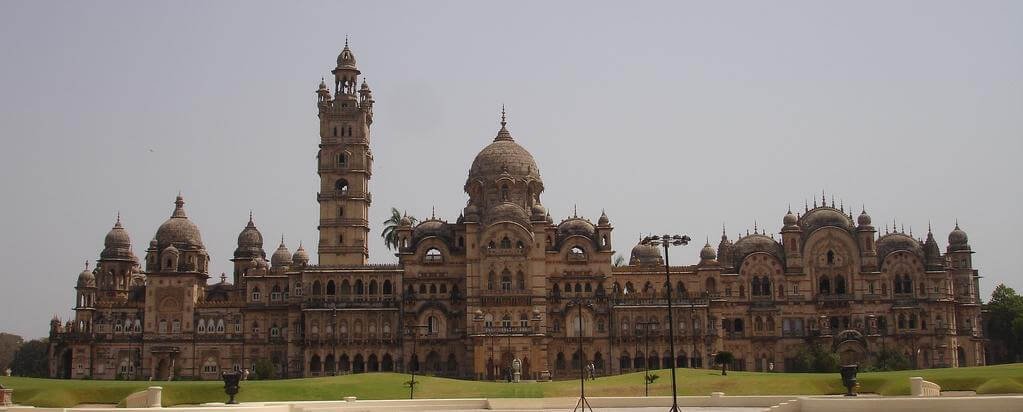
(387, 287)
(373, 290)
(220, 326)
(346, 288)
(831, 257)
(422, 288)
(201, 327)
(824, 286)
(576, 253)
(523, 320)
(756, 286)
(317, 288)
(342, 159)
(433, 288)
(331, 287)
(504, 193)
(275, 293)
(505, 243)
(431, 324)
(341, 185)
(488, 320)
(839, 285)
(433, 255)
(711, 285)
(506, 321)
(490, 280)
(506, 282)
(520, 280)
(255, 294)
(359, 288)
(578, 288)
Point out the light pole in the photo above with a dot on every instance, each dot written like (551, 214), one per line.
(692, 323)
(333, 336)
(412, 367)
(583, 404)
(666, 241)
(646, 352)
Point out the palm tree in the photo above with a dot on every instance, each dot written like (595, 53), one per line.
(723, 358)
(390, 232)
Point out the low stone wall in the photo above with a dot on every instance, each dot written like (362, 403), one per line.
(919, 387)
(151, 397)
(906, 404)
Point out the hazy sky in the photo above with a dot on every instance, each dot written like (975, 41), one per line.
(673, 116)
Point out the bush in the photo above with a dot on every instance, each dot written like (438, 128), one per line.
(889, 360)
(814, 358)
(264, 369)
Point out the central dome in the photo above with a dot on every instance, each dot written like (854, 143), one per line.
(503, 158)
(178, 229)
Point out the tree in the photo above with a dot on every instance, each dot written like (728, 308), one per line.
(1005, 312)
(814, 358)
(724, 358)
(891, 360)
(31, 359)
(619, 261)
(390, 232)
(9, 343)
(264, 369)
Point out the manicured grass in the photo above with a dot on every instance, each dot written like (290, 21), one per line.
(64, 393)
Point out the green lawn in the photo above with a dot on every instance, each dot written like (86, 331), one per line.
(64, 393)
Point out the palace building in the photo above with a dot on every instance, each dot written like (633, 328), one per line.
(505, 281)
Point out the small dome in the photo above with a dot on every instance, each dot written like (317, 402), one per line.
(117, 244)
(432, 227)
(790, 219)
(957, 239)
(603, 220)
(646, 255)
(405, 221)
(300, 257)
(323, 84)
(346, 60)
(863, 219)
(576, 226)
(539, 212)
(250, 242)
(894, 242)
(824, 216)
(281, 257)
(86, 279)
(755, 243)
(707, 253)
(178, 229)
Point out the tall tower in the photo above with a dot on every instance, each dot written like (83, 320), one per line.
(345, 165)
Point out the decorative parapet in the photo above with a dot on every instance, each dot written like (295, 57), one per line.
(919, 387)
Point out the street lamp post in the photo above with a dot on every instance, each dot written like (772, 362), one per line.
(646, 352)
(333, 337)
(582, 404)
(412, 367)
(665, 241)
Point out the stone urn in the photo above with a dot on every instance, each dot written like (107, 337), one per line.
(231, 380)
(849, 378)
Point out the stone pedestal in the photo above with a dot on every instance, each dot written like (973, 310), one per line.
(516, 377)
(6, 397)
